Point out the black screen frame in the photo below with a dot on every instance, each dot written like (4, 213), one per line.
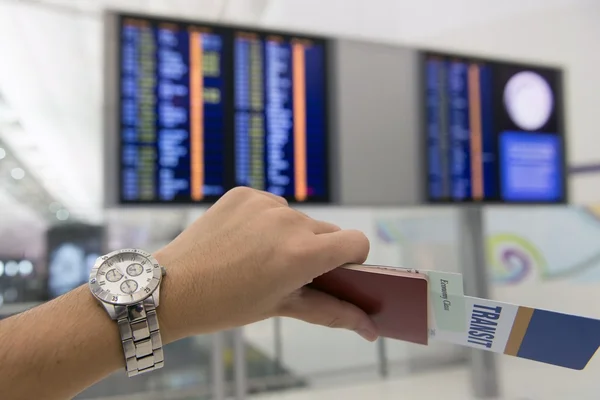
(559, 73)
(113, 57)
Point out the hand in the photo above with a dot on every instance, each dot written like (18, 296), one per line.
(249, 258)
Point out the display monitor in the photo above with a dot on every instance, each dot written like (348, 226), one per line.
(72, 250)
(281, 114)
(494, 131)
(204, 108)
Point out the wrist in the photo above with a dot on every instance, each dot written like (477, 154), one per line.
(172, 304)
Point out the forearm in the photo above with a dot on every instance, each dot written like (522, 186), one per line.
(58, 349)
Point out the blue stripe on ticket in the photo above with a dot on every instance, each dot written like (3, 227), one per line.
(560, 339)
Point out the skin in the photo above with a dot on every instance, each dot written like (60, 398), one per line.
(246, 259)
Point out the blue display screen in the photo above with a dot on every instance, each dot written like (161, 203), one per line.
(280, 115)
(493, 132)
(530, 166)
(205, 108)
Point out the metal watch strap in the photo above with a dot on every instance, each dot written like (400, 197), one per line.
(140, 335)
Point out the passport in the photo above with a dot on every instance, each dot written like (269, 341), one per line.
(419, 305)
(396, 300)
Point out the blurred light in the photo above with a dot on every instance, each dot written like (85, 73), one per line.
(62, 215)
(17, 173)
(25, 267)
(11, 268)
(11, 295)
(54, 207)
(1, 268)
(2, 153)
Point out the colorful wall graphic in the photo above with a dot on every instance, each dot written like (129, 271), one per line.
(544, 244)
(529, 244)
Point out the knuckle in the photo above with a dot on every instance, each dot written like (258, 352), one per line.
(256, 202)
(294, 243)
(290, 305)
(241, 192)
(285, 215)
(297, 250)
(279, 199)
(334, 322)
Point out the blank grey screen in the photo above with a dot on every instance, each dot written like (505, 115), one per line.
(376, 120)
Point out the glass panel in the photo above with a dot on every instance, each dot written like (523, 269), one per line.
(306, 353)
(321, 353)
(265, 365)
(422, 238)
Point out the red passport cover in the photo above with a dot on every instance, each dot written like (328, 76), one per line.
(395, 300)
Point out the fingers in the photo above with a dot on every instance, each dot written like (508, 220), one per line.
(321, 227)
(340, 247)
(248, 201)
(244, 196)
(317, 227)
(318, 308)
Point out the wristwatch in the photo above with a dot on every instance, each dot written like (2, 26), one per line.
(127, 283)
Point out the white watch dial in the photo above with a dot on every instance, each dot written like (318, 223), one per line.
(528, 100)
(125, 277)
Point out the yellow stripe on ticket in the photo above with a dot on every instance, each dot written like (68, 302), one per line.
(517, 333)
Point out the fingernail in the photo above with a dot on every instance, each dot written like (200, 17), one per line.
(367, 334)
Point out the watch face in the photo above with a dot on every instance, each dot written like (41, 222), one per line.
(125, 277)
(529, 100)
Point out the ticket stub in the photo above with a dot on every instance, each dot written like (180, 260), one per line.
(550, 337)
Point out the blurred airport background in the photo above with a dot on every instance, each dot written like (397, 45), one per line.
(379, 155)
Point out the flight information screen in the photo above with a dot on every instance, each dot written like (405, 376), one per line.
(280, 115)
(494, 132)
(205, 108)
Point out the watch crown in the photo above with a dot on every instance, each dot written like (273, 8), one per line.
(163, 270)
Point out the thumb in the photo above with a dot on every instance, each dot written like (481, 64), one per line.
(319, 308)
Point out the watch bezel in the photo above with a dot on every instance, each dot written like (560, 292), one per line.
(123, 299)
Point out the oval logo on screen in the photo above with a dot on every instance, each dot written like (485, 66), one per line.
(529, 100)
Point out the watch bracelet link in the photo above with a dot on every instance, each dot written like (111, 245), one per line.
(140, 336)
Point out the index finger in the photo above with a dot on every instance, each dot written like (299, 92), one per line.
(338, 248)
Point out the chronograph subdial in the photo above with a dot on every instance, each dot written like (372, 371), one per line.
(129, 286)
(135, 269)
(113, 275)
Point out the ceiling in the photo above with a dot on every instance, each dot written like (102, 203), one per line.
(51, 69)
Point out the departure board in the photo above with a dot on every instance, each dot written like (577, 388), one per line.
(280, 115)
(493, 132)
(205, 108)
